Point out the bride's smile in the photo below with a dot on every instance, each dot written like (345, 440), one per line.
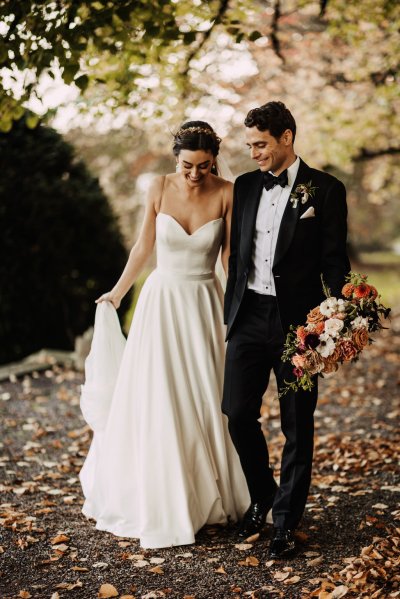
(195, 166)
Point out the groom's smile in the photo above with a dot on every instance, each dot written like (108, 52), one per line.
(271, 153)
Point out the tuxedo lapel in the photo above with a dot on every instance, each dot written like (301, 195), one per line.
(249, 218)
(290, 216)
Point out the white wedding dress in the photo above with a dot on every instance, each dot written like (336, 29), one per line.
(161, 464)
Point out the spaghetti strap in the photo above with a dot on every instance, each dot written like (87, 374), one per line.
(161, 193)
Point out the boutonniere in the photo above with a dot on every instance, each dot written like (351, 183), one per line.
(302, 193)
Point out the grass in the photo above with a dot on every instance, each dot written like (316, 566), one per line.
(383, 270)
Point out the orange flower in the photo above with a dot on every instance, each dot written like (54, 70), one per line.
(360, 338)
(348, 351)
(348, 289)
(373, 292)
(337, 354)
(301, 334)
(362, 290)
(330, 365)
(319, 328)
(315, 316)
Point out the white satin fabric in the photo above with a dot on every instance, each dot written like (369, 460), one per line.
(163, 465)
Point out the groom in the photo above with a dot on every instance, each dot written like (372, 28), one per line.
(288, 230)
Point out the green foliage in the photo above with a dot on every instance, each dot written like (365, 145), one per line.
(103, 43)
(60, 245)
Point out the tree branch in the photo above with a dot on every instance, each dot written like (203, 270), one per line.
(322, 7)
(276, 45)
(193, 53)
(366, 154)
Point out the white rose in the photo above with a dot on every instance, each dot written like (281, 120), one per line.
(333, 326)
(326, 345)
(329, 306)
(359, 322)
(341, 305)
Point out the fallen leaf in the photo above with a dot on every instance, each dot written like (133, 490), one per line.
(220, 570)
(339, 592)
(253, 538)
(157, 560)
(243, 546)
(380, 506)
(69, 586)
(140, 563)
(316, 561)
(249, 561)
(292, 580)
(156, 570)
(24, 594)
(107, 590)
(63, 548)
(280, 576)
(124, 544)
(59, 539)
(55, 595)
(79, 569)
(101, 565)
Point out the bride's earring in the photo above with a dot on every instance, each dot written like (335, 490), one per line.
(177, 168)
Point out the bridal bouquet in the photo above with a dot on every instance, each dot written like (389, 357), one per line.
(336, 331)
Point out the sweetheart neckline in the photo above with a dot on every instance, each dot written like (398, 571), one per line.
(209, 222)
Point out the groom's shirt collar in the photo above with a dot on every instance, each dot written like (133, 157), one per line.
(292, 172)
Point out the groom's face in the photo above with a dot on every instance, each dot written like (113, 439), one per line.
(270, 153)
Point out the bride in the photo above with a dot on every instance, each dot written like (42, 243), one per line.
(162, 465)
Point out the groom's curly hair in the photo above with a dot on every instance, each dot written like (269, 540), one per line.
(273, 117)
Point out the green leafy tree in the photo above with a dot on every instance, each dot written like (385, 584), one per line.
(116, 49)
(60, 245)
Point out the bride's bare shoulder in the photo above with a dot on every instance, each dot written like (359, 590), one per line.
(223, 184)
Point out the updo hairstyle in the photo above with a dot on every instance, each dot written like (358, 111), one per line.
(196, 135)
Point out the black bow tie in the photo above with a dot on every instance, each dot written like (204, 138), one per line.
(270, 180)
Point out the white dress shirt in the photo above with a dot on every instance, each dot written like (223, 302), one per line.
(269, 216)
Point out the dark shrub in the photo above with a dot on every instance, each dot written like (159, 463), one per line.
(60, 246)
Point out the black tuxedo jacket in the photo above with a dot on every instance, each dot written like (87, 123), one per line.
(306, 248)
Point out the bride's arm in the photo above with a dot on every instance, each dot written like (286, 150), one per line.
(228, 198)
(142, 249)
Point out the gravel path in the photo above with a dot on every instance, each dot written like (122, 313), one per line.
(348, 540)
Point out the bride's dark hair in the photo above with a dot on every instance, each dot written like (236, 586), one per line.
(196, 135)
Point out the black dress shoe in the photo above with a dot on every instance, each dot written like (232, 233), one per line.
(283, 544)
(254, 519)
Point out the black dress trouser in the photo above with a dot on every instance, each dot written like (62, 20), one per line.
(255, 347)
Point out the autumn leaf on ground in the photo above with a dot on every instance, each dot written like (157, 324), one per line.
(243, 546)
(249, 561)
(339, 592)
(292, 580)
(61, 538)
(316, 561)
(220, 570)
(107, 590)
(156, 570)
(281, 576)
